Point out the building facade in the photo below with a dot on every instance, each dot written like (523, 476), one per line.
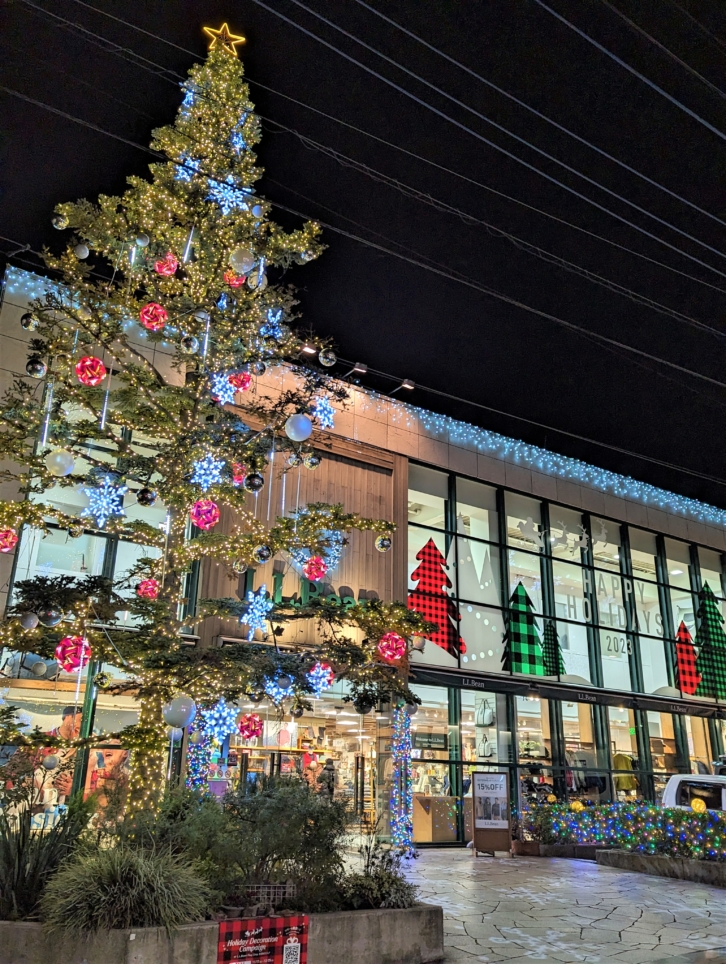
(579, 618)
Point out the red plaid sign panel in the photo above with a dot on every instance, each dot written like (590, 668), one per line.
(688, 675)
(263, 940)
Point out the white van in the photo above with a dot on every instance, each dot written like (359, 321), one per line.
(683, 788)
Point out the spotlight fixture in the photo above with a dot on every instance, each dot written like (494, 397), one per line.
(308, 349)
(406, 383)
(360, 368)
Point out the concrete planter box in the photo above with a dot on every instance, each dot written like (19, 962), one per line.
(572, 851)
(679, 868)
(413, 936)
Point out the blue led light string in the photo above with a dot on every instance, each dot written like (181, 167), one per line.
(402, 785)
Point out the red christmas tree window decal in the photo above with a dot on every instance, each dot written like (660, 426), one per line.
(687, 675)
(433, 602)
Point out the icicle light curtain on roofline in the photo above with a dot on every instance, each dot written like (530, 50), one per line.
(542, 460)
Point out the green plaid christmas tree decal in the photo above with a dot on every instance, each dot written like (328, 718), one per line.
(551, 652)
(711, 642)
(522, 650)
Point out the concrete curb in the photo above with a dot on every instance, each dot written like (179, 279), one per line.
(710, 872)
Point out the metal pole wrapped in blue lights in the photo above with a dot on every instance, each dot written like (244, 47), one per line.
(402, 788)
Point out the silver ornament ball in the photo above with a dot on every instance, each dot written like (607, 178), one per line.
(189, 345)
(258, 368)
(411, 709)
(142, 240)
(36, 367)
(50, 762)
(327, 358)
(383, 543)
(29, 321)
(50, 617)
(262, 554)
(239, 566)
(180, 712)
(298, 427)
(253, 482)
(39, 668)
(29, 620)
(59, 222)
(60, 462)
(284, 681)
(311, 461)
(242, 259)
(175, 733)
(81, 251)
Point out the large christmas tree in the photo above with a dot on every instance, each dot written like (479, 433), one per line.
(687, 675)
(169, 302)
(711, 642)
(522, 649)
(431, 599)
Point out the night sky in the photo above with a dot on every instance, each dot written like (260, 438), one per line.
(398, 317)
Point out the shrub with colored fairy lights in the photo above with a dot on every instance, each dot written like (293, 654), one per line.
(640, 828)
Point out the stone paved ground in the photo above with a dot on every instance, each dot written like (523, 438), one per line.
(535, 909)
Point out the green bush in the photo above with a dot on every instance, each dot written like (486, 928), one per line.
(122, 887)
(289, 833)
(380, 882)
(28, 858)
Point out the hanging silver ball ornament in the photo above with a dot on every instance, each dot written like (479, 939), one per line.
(50, 762)
(59, 222)
(242, 259)
(258, 368)
(258, 210)
(304, 256)
(81, 251)
(101, 680)
(142, 240)
(175, 733)
(296, 712)
(39, 668)
(383, 543)
(36, 367)
(239, 566)
(146, 497)
(411, 709)
(256, 696)
(312, 461)
(75, 531)
(257, 279)
(298, 427)
(253, 482)
(196, 737)
(284, 681)
(29, 321)
(189, 344)
(261, 554)
(84, 313)
(294, 460)
(29, 620)
(50, 617)
(60, 462)
(202, 315)
(180, 712)
(419, 644)
(327, 358)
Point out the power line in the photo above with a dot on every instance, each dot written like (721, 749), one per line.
(164, 73)
(519, 243)
(438, 269)
(669, 53)
(544, 117)
(631, 70)
(461, 126)
(699, 26)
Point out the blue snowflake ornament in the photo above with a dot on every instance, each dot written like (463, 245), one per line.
(274, 327)
(277, 693)
(220, 720)
(221, 389)
(187, 169)
(255, 616)
(237, 139)
(207, 472)
(228, 197)
(104, 500)
(324, 412)
(320, 679)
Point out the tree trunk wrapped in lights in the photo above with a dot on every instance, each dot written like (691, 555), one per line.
(172, 291)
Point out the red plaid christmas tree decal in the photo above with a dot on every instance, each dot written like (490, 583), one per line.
(433, 602)
(687, 676)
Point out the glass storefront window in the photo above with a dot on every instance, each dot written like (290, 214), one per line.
(534, 741)
(586, 773)
(482, 629)
(435, 544)
(643, 553)
(624, 753)
(662, 739)
(683, 611)
(699, 744)
(647, 608)
(58, 554)
(525, 568)
(476, 510)
(570, 600)
(427, 496)
(430, 726)
(610, 600)
(653, 662)
(575, 651)
(678, 562)
(606, 544)
(485, 735)
(711, 570)
(615, 650)
(567, 536)
(478, 575)
(524, 523)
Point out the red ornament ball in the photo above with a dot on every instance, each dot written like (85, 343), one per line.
(239, 473)
(8, 540)
(240, 380)
(73, 652)
(90, 371)
(167, 266)
(153, 316)
(250, 725)
(234, 280)
(314, 568)
(148, 589)
(204, 514)
(391, 646)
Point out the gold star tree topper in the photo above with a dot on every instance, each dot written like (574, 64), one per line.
(224, 38)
